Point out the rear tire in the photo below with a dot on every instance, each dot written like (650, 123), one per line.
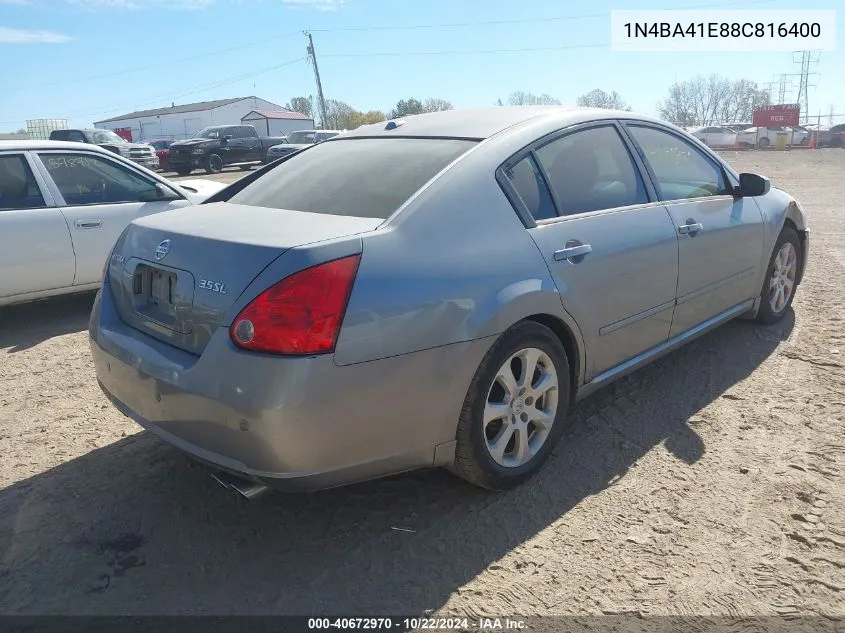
(780, 283)
(213, 164)
(511, 421)
(184, 172)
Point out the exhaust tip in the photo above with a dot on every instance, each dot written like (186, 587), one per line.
(247, 489)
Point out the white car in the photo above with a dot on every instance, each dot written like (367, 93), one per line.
(714, 136)
(62, 207)
(764, 137)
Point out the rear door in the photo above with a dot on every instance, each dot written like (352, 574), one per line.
(99, 197)
(252, 149)
(720, 236)
(610, 246)
(36, 253)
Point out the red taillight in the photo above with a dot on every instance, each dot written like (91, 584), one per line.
(299, 315)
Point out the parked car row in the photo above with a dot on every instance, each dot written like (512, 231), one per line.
(210, 149)
(722, 136)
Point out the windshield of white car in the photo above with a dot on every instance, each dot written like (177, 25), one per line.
(106, 136)
(365, 178)
(208, 132)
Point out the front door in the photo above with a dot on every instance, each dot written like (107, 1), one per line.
(720, 236)
(99, 197)
(612, 251)
(36, 253)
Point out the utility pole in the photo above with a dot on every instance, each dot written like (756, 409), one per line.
(313, 56)
(807, 60)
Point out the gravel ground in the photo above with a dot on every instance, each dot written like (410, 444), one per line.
(709, 483)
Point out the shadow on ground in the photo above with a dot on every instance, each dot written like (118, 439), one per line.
(137, 528)
(26, 325)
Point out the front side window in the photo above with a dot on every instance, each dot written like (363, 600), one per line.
(87, 179)
(361, 177)
(680, 170)
(208, 132)
(18, 188)
(106, 136)
(529, 185)
(591, 170)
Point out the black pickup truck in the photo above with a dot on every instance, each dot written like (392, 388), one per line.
(212, 148)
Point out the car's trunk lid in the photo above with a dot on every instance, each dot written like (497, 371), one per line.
(176, 275)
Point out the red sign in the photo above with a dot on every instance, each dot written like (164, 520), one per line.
(777, 115)
(125, 133)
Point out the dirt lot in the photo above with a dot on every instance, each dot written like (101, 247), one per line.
(228, 175)
(711, 482)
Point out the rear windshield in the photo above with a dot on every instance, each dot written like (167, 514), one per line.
(366, 178)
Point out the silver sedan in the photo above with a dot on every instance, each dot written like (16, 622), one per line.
(433, 291)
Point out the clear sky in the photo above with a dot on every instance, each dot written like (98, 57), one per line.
(88, 60)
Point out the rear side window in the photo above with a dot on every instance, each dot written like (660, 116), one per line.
(18, 188)
(362, 177)
(529, 185)
(591, 170)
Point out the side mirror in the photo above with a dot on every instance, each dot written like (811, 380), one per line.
(751, 185)
(159, 194)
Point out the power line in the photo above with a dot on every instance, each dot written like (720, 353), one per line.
(562, 18)
(169, 62)
(410, 27)
(468, 52)
(193, 90)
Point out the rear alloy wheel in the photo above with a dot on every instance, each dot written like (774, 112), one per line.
(515, 409)
(763, 143)
(214, 164)
(780, 283)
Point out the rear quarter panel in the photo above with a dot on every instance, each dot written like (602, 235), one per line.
(455, 264)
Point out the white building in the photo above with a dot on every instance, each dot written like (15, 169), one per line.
(183, 121)
(277, 122)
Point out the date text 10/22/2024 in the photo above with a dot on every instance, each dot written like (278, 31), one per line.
(417, 624)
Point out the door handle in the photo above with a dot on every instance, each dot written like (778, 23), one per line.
(690, 228)
(88, 224)
(574, 252)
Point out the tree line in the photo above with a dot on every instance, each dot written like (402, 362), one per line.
(702, 100)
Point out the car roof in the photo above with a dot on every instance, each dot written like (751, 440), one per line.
(27, 146)
(481, 123)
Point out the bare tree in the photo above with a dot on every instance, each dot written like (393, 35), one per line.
(526, 98)
(303, 105)
(600, 99)
(339, 115)
(434, 104)
(713, 99)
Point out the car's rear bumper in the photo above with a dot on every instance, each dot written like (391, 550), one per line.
(291, 423)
